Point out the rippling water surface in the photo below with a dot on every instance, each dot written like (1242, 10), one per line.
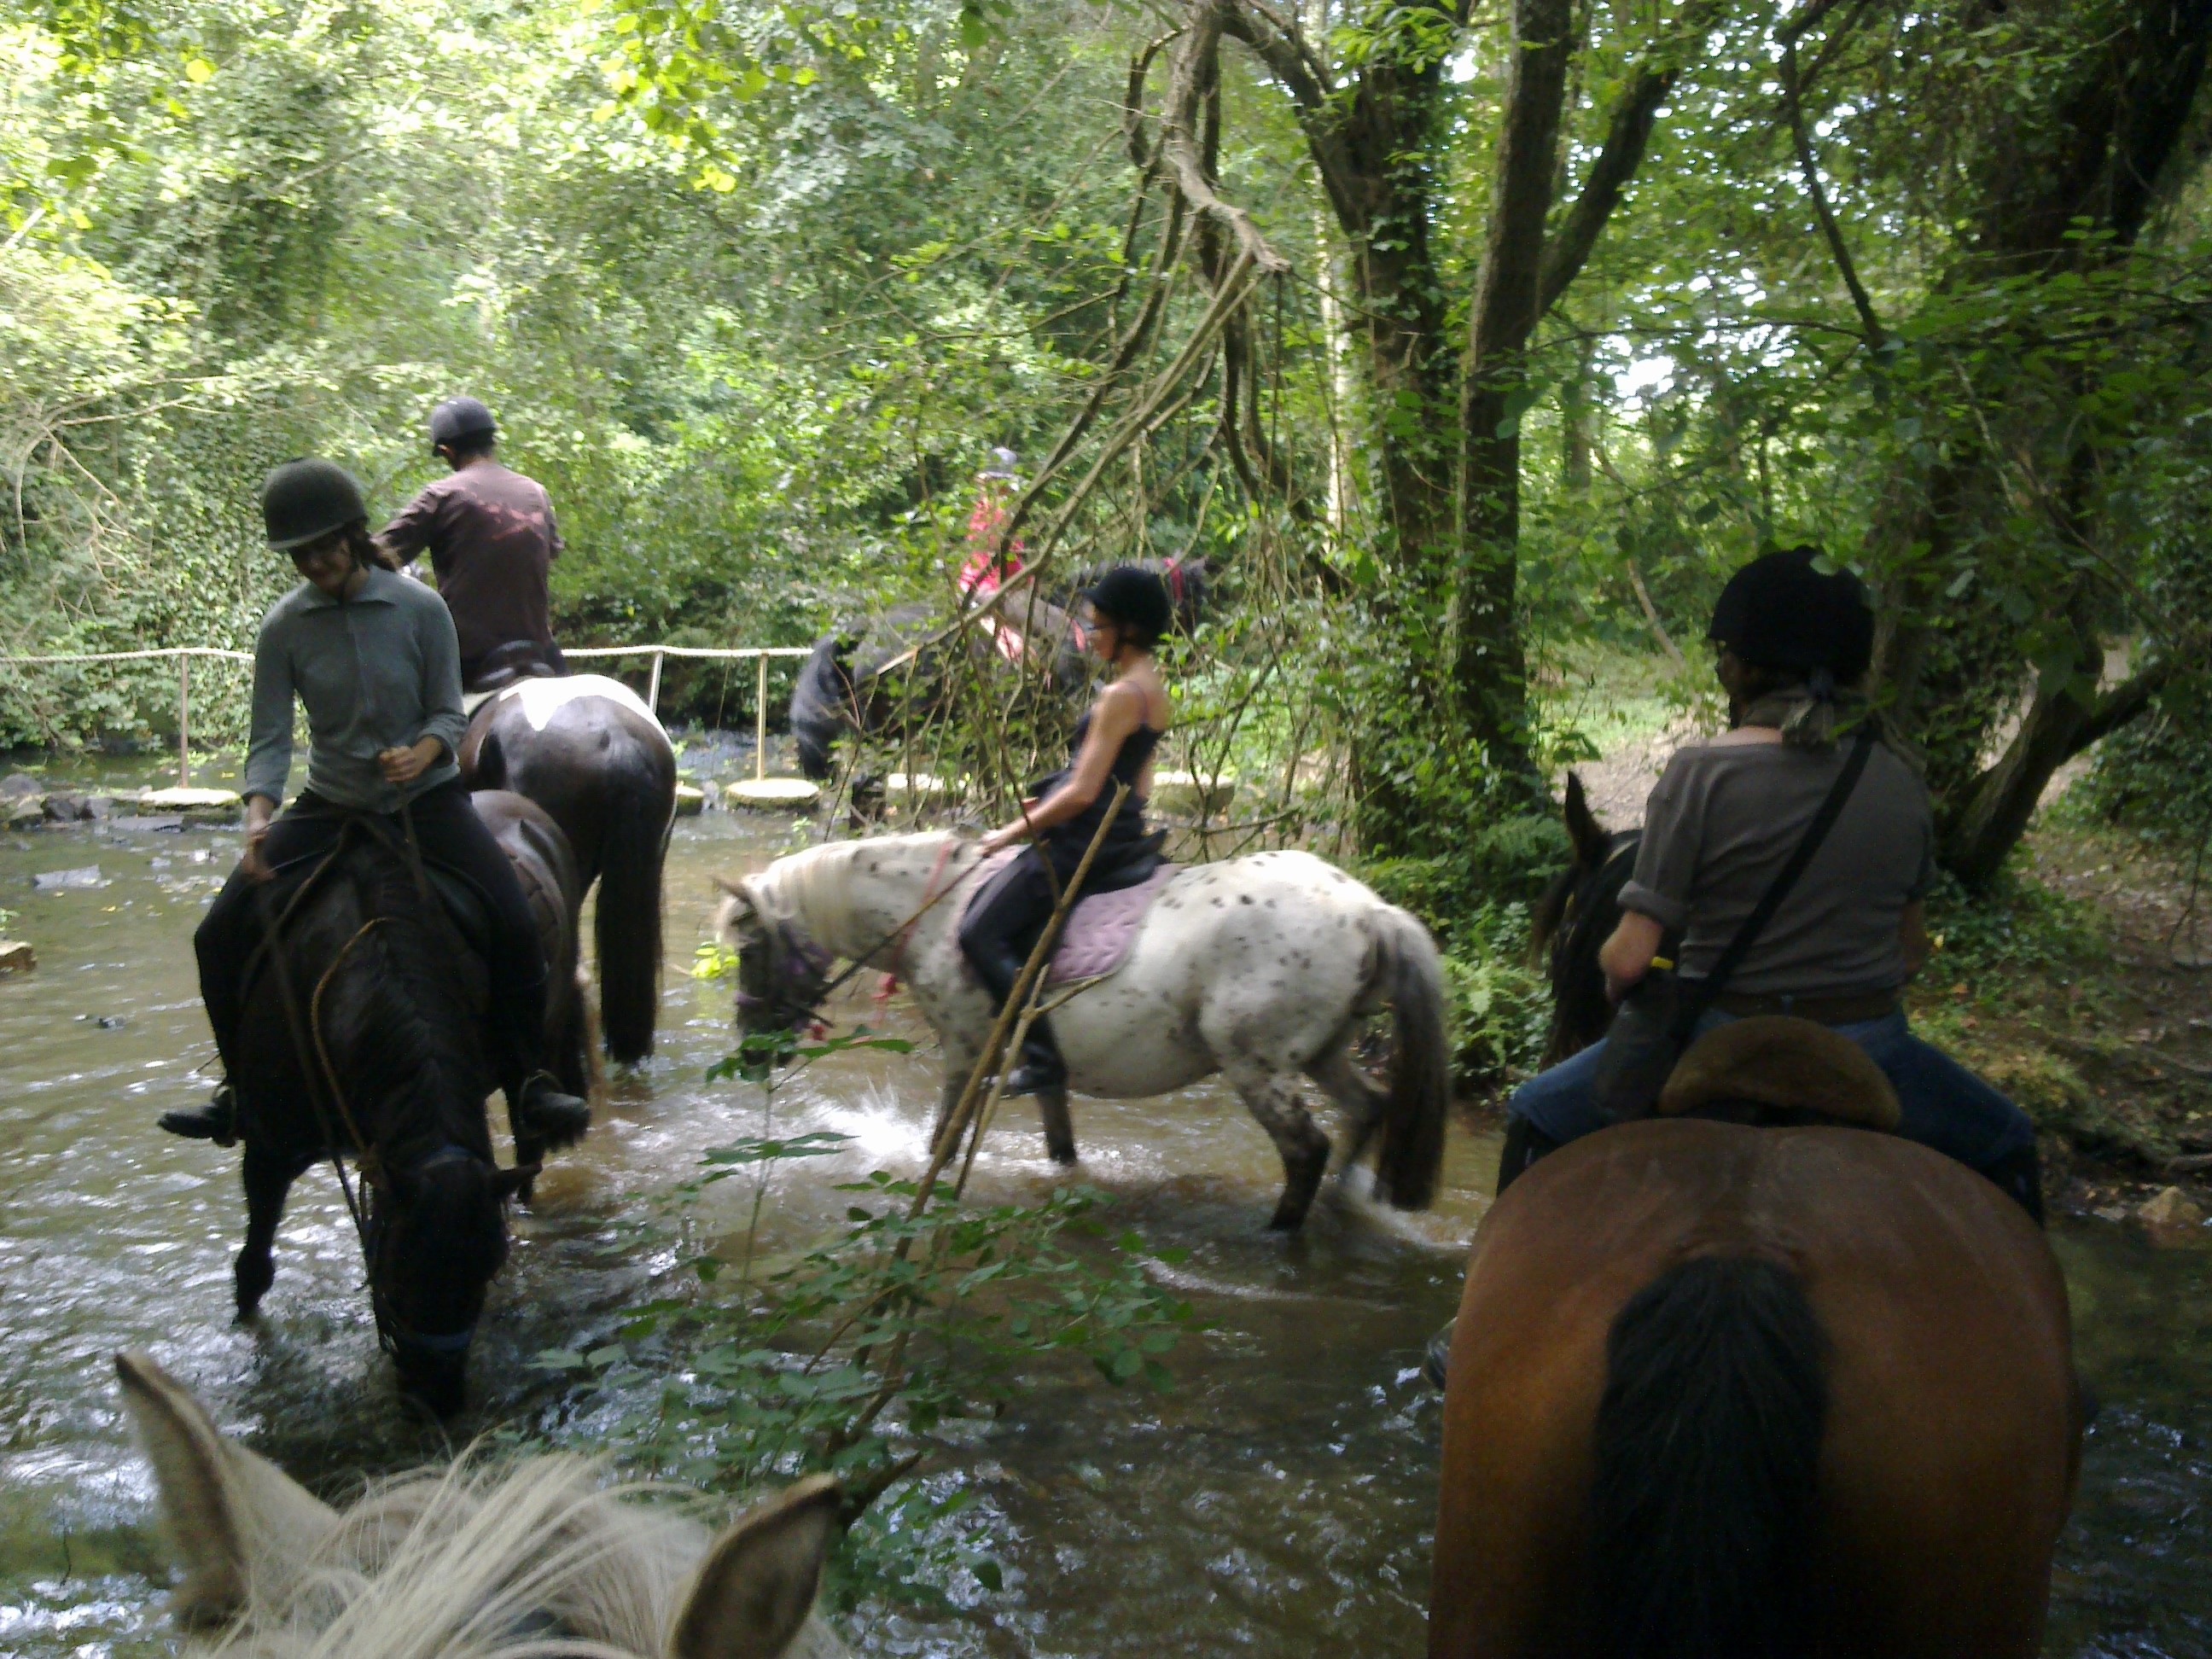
(1279, 1499)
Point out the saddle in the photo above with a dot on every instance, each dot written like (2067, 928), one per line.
(508, 664)
(1774, 1069)
(1100, 927)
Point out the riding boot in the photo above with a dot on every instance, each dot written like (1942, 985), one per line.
(217, 1120)
(2020, 1177)
(1524, 1144)
(539, 1111)
(1043, 1072)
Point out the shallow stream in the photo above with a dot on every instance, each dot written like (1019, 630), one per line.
(1279, 1499)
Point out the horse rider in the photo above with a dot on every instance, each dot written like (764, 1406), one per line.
(1114, 744)
(1795, 644)
(992, 562)
(491, 537)
(374, 657)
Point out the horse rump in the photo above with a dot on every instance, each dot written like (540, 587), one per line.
(1708, 1449)
(1419, 1097)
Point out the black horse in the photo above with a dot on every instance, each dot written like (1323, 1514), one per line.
(1576, 916)
(587, 751)
(882, 676)
(364, 1038)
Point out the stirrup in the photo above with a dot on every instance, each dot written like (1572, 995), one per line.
(1035, 1077)
(217, 1120)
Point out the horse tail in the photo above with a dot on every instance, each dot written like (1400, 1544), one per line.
(1420, 1067)
(1708, 1452)
(633, 845)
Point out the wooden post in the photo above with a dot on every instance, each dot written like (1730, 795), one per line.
(183, 720)
(760, 716)
(652, 686)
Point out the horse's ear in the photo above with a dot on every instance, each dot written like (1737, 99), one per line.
(1592, 844)
(239, 1522)
(756, 1589)
(507, 1183)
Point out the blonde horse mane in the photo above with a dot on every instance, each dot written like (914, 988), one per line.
(473, 1561)
(811, 889)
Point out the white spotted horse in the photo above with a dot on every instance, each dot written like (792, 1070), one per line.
(1260, 968)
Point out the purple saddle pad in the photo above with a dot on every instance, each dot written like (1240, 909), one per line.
(1099, 929)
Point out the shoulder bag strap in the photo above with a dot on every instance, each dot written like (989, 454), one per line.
(1704, 991)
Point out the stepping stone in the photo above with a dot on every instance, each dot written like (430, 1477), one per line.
(205, 806)
(17, 956)
(690, 800)
(1186, 792)
(773, 795)
(24, 810)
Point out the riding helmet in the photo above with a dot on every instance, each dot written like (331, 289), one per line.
(305, 500)
(458, 420)
(1133, 597)
(1780, 612)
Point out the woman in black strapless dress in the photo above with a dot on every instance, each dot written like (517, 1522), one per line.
(1114, 744)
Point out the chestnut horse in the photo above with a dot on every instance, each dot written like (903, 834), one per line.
(1719, 1390)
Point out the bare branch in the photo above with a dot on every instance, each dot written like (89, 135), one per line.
(1876, 336)
(1192, 68)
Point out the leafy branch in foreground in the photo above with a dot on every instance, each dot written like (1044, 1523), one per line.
(863, 1353)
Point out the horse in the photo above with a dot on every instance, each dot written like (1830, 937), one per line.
(1260, 968)
(362, 1037)
(1576, 915)
(473, 1561)
(1719, 1386)
(589, 751)
(882, 676)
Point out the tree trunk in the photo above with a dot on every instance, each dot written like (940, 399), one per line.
(1489, 672)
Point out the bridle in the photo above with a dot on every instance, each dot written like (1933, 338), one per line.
(780, 1010)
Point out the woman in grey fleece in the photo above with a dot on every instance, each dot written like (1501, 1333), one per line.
(372, 657)
(1795, 641)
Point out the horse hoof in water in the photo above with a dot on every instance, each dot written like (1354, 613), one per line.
(254, 1273)
(437, 1381)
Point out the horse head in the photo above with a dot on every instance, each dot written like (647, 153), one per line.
(1577, 912)
(782, 976)
(439, 1234)
(473, 1560)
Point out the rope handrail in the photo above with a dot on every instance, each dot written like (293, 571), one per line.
(759, 655)
(132, 656)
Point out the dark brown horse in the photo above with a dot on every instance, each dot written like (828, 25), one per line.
(364, 1038)
(887, 674)
(591, 753)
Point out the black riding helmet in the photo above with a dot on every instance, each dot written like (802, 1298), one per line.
(304, 500)
(1779, 612)
(1134, 598)
(458, 421)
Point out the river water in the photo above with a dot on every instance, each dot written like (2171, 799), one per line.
(1278, 1498)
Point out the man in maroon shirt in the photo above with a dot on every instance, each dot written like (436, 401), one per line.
(491, 538)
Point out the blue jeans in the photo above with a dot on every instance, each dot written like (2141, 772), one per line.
(1945, 1105)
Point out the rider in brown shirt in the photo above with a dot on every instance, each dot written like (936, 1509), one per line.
(491, 538)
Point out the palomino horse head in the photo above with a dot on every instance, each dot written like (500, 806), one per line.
(439, 1232)
(782, 976)
(1577, 913)
(473, 1561)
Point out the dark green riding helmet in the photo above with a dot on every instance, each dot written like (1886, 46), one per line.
(305, 500)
